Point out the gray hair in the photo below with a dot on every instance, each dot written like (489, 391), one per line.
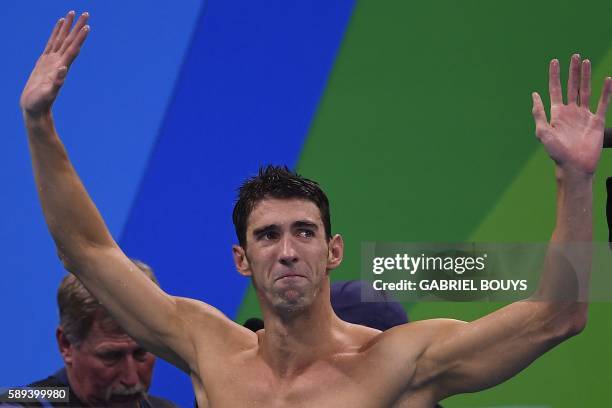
(78, 308)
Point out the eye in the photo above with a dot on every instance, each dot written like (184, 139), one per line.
(268, 235)
(305, 233)
(110, 357)
(141, 354)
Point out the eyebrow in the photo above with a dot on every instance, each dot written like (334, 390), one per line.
(276, 227)
(267, 228)
(114, 349)
(110, 353)
(307, 224)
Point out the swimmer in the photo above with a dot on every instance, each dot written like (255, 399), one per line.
(306, 356)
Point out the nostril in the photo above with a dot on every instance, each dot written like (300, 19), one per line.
(288, 260)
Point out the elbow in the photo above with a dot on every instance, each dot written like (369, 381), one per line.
(63, 249)
(577, 322)
(72, 260)
(77, 256)
(573, 322)
(66, 260)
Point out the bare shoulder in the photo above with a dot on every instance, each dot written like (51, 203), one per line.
(405, 338)
(210, 329)
(406, 347)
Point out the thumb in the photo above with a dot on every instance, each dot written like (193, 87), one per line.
(539, 115)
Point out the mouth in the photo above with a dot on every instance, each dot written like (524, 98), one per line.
(289, 276)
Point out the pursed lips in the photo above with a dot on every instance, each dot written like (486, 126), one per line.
(289, 274)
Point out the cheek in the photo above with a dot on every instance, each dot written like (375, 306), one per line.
(320, 253)
(260, 261)
(145, 370)
(94, 374)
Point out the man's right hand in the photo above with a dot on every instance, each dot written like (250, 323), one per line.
(51, 68)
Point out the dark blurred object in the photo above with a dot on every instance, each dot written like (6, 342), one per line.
(609, 210)
(254, 324)
(607, 138)
(382, 314)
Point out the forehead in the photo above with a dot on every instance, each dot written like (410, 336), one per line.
(103, 336)
(283, 211)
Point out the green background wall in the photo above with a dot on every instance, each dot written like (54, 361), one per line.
(425, 134)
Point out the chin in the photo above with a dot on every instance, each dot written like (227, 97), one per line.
(292, 302)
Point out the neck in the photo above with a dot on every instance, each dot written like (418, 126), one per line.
(293, 341)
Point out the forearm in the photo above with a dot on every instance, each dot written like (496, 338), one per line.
(574, 207)
(72, 217)
(567, 265)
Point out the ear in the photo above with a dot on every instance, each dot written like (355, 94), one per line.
(241, 261)
(335, 252)
(65, 347)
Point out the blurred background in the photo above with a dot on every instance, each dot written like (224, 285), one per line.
(414, 116)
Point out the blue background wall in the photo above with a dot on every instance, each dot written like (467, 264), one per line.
(168, 107)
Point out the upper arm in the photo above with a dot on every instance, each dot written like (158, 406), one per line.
(456, 356)
(164, 324)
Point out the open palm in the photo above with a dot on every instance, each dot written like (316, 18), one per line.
(574, 136)
(51, 68)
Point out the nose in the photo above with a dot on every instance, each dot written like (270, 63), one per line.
(129, 373)
(288, 255)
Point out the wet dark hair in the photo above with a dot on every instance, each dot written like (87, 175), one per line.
(277, 182)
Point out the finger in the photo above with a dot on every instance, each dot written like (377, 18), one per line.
(74, 49)
(585, 85)
(63, 32)
(75, 30)
(603, 101)
(539, 115)
(573, 79)
(554, 83)
(53, 35)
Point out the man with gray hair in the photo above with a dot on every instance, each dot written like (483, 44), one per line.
(103, 366)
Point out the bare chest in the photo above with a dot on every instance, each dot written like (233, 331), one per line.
(345, 381)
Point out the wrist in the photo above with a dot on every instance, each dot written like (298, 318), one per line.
(39, 126)
(574, 191)
(37, 119)
(567, 176)
(29, 114)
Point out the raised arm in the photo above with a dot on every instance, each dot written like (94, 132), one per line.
(465, 357)
(162, 323)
